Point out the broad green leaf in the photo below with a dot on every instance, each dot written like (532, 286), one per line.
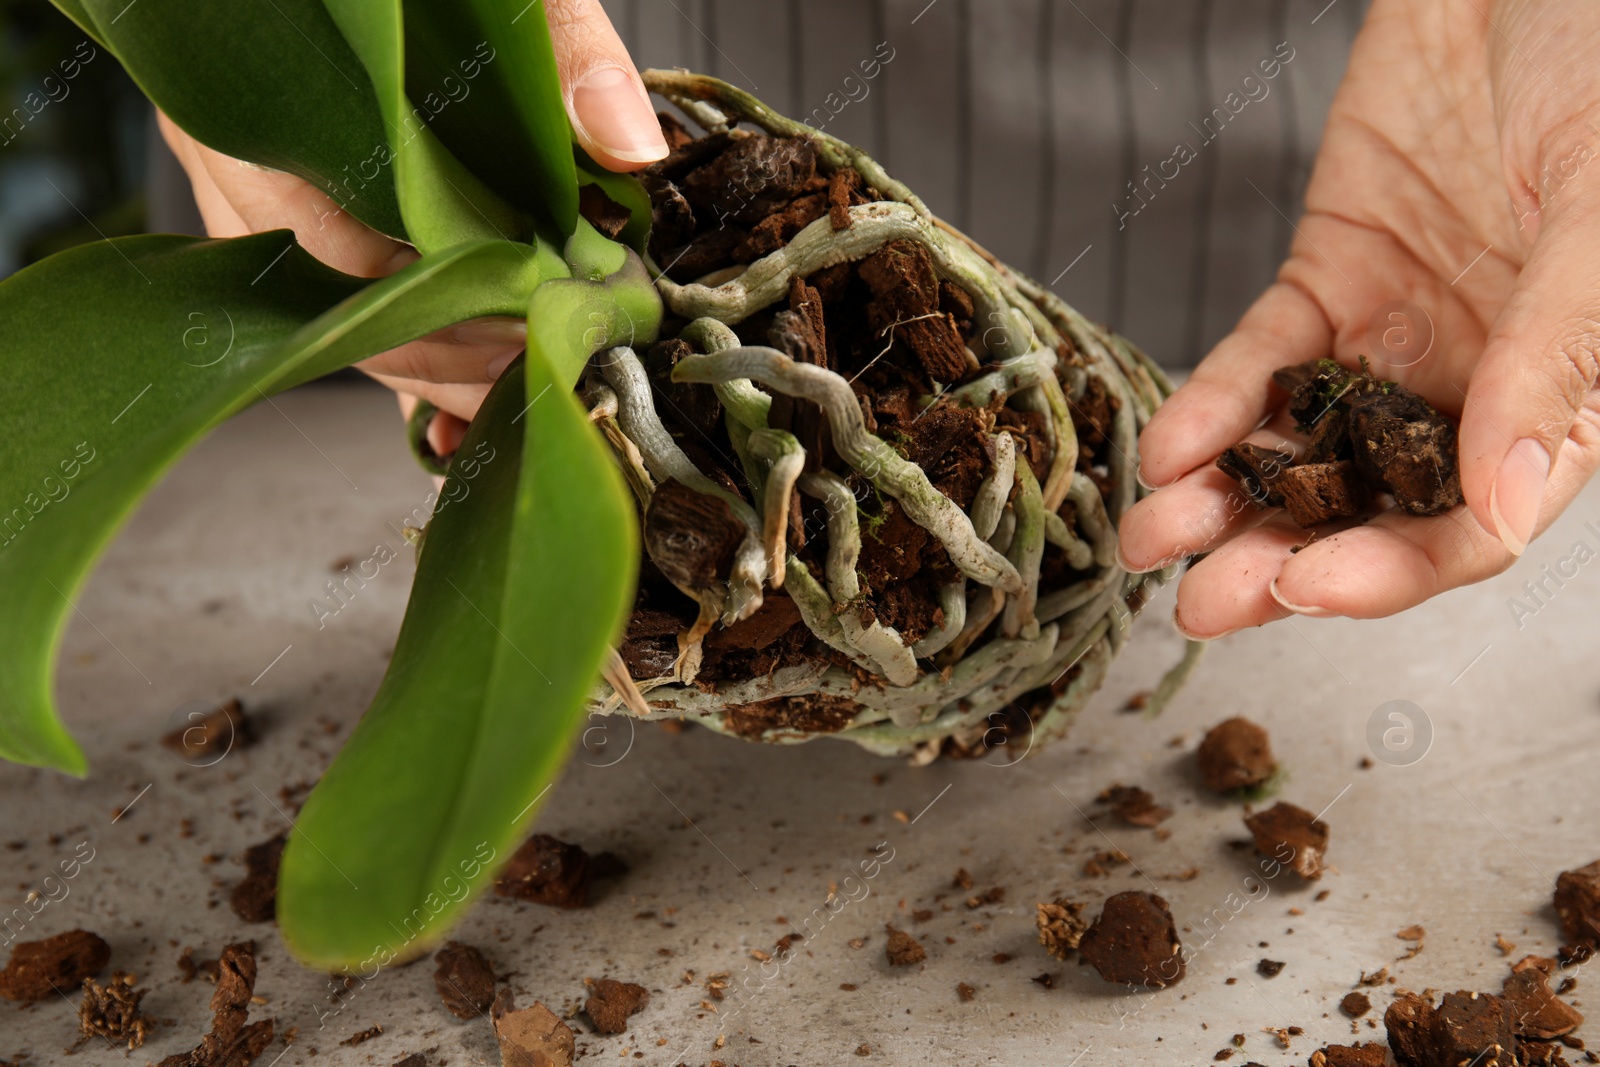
(523, 582)
(124, 353)
(485, 72)
(442, 201)
(269, 81)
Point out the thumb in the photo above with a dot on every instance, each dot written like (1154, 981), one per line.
(1537, 371)
(606, 100)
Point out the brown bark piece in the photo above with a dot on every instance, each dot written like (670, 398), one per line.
(38, 970)
(1292, 836)
(530, 1037)
(231, 1042)
(905, 292)
(1235, 754)
(464, 980)
(611, 1002)
(1134, 942)
(1401, 442)
(1577, 902)
(902, 950)
(1536, 1012)
(691, 537)
(1315, 493)
(1257, 471)
(844, 191)
(547, 871)
(1371, 1054)
(255, 898)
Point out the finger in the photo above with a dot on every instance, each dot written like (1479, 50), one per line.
(1195, 513)
(1399, 560)
(1537, 372)
(606, 100)
(458, 399)
(257, 199)
(471, 352)
(1232, 587)
(1230, 392)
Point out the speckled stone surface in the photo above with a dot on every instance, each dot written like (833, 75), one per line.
(732, 846)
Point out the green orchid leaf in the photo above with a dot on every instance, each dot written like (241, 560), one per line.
(577, 317)
(269, 81)
(485, 73)
(523, 583)
(167, 337)
(442, 201)
(625, 190)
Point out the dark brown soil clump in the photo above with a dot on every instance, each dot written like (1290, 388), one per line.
(255, 899)
(1235, 754)
(1355, 1005)
(463, 979)
(1371, 1054)
(547, 871)
(1134, 806)
(38, 970)
(1134, 942)
(213, 735)
(1291, 836)
(902, 950)
(611, 1002)
(1474, 1028)
(1366, 437)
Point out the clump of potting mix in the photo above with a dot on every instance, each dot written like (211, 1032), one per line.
(1366, 438)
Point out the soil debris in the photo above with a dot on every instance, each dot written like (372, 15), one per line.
(902, 950)
(1235, 754)
(611, 1002)
(530, 1037)
(112, 1011)
(1134, 806)
(1539, 1015)
(1466, 1027)
(1577, 902)
(1134, 941)
(965, 992)
(232, 1041)
(1355, 1004)
(464, 980)
(1367, 437)
(1371, 1054)
(361, 1037)
(547, 871)
(255, 899)
(1416, 935)
(1061, 926)
(38, 970)
(1269, 968)
(209, 737)
(192, 968)
(1291, 836)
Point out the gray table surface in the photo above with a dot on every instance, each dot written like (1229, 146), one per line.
(205, 597)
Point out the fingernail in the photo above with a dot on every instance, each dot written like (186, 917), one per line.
(497, 366)
(1138, 476)
(1122, 561)
(491, 332)
(1518, 488)
(1177, 622)
(611, 112)
(1298, 609)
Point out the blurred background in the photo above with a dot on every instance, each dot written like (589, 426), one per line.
(1132, 154)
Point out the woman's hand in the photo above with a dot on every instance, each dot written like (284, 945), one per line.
(1459, 172)
(615, 124)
